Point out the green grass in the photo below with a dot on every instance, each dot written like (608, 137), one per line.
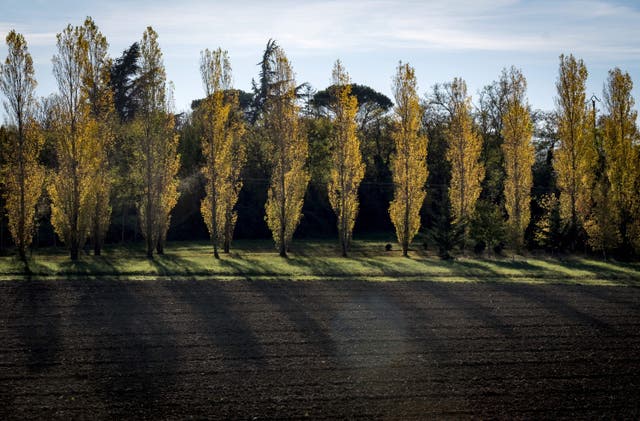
(315, 260)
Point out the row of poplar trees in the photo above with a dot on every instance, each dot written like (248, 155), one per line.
(596, 163)
(83, 129)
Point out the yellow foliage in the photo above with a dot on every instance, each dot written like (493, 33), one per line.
(602, 224)
(409, 165)
(575, 159)
(97, 91)
(347, 170)
(518, 151)
(72, 185)
(463, 154)
(622, 160)
(23, 180)
(223, 152)
(156, 159)
(289, 151)
(22, 175)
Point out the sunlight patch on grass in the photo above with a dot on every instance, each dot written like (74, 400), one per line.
(315, 260)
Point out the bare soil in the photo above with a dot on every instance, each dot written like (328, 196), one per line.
(324, 349)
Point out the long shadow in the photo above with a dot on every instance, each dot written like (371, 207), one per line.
(282, 295)
(33, 344)
(122, 335)
(37, 325)
(215, 315)
(544, 297)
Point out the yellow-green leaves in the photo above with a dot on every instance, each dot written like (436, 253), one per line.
(288, 154)
(620, 160)
(221, 147)
(517, 131)
(409, 165)
(463, 154)
(576, 157)
(156, 162)
(347, 168)
(22, 175)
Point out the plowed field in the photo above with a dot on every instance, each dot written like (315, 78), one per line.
(320, 349)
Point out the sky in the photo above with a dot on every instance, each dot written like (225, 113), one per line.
(472, 39)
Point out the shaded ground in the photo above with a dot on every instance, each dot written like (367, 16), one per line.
(347, 348)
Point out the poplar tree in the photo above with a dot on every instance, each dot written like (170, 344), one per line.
(223, 153)
(576, 156)
(97, 90)
(22, 175)
(77, 148)
(347, 168)
(463, 155)
(156, 161)
(517, 131)
(621, 159)
(288, 153)
(409, 165)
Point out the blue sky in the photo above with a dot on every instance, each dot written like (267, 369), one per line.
(473, 39)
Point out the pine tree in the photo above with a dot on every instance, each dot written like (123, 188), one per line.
(409, 166)
(574, 160)
(517, 131)
(22, 175)
(347, 170)
(465, 147)
(289, 151)
(156, 161)
(223, 153)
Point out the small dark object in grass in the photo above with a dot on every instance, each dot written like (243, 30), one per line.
(425, 245)
(387, 247)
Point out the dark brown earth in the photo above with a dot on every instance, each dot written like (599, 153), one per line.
(323, 349)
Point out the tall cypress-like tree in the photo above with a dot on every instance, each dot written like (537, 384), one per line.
(77, 148)
(621, 159)
(575, 158)
(156, 161)
(517, 131)
(97, 90)
(465, 147)
(289, 151)
(409, 165)
(222, 151)
(22, 175)
(347, 168)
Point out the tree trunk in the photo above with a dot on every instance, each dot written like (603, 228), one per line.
(73, 251)
(149, 247)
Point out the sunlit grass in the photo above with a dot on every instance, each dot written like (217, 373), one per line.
(310, 260)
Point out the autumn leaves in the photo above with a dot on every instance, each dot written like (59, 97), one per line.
(594, 197)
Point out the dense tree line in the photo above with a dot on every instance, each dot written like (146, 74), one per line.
(108, 159)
